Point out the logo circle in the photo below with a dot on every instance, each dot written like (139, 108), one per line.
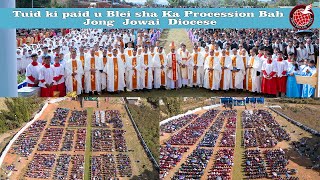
(301, 17)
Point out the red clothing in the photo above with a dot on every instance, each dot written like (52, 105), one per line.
(61, 88)
(32, 85)
(282, 84)
(46, 92)
(269, 86)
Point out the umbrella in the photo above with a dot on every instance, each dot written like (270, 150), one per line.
(304, 33)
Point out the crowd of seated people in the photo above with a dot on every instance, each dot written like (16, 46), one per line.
(99, 119)
(124, 165)
(231, 122)
(102, 140)
(251, 119)
(228, 138)
(277, 162)
(51, 139)
(41, 166)
(211, 136)
(29, 138)
(274, 126)
(103, 167)
(176, 124)
(223, 164)
(254, 165)
(62, 167)
(80, 140)
(190, 134)
(119, 141)
(265, 139)
(78, 118)
(250, 138)
(77, 170)
(229, 113)
(193, 167)
(257, 133)
(169, 158)
(67, 144)
(59, 117)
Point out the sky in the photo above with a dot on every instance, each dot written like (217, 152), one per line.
(164, 2)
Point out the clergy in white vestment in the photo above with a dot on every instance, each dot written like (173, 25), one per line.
(254, 72)
(226, 67)
(245, 59)
(115, 73)
(173, 69)
(74, 73)
(32, 72)
(196, 68)
(184, 65)
(160, 69)
(134, 71)
(129, 50)
(217, 50)
(92, 74)
(146, 65)
(237, 71)
(212, 71)
(124, 58)
(103, 74)
(46, 76)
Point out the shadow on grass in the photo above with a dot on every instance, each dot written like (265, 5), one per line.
(147, 175)
(305, 152)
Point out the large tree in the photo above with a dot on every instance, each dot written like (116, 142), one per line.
(176, 3)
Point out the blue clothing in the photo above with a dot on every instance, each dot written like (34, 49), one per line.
(307, 90)
(293, 89)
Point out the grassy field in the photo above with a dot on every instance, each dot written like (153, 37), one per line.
(147, 120)
(238, 151)
(306, 111)
(178, 35)
(88, 146)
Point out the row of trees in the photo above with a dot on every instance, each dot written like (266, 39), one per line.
(18, 111)
(147, 121)
(231, 3)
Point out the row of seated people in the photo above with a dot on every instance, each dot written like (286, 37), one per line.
(41, 166)
(211, 136)
(102, 140)
(251, 119)
(103, 167)
(99, 119)
(26, 142)
(274, 126)
(169, 158)
(62, 167)
(78, 118)
(228, 138)
(80, 140)
(276, 162)
(176, 124)
(67, 143)
(193, 167)
(124, 165)
(51, 139)
(222, 166)
(190, 134)
(119, 140)
(77, 168)
(59, 117)
(254, 164)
